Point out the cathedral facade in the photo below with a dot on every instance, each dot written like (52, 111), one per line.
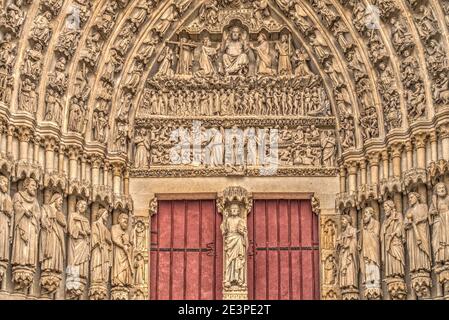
(224, 149)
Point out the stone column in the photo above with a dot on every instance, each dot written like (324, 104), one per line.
(396, 152)
(444, 135)
(420, 142)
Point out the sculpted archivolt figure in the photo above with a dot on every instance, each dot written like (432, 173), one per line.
(439, 211)
(100, 257)
(393, 252)
(6, 225)
(52, 244)
(122, 266)
(416, 225)
(27, 215)
(348, 259)
(370, 255)
(141, 141)
(78, 250)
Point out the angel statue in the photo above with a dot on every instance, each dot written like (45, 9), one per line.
(235, 48)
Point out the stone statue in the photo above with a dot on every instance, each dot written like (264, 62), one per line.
(348, 258)
(235, 234)
(330, 270)
(185, 56)
(370, 255)
(52, 250)
(78, 250)
(263, 53)
(208, 53)
(100, 261)
(166, 63)
(27, 215)
(235, 48)
(439, 211)
(6, 231)
(416, 225)
(284, 49)
(122, 266)
(393, 239)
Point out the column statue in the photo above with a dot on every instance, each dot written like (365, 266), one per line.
(27, 215)
(6, 231)
(78, 251)
(122, 266)
(418, 244)
(393, 253)
(100, 261)
(52, 249)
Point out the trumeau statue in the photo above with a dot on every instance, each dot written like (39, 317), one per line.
(100, 256)
(235, 203)
(27, 216)
(370, 255)
(416, 225)
(52, 249)
(393, 253)
(78, 250)
(348, 261)
(122, 266)
(236, 244)
(6, 228)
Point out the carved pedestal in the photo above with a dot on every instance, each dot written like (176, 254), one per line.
(421, 284)
(396, 288)
(373, 293)
(3, 268)
(443, 278)
(75, 287)
(98, 291)
(350, 294)
(234, 204)
(120, 293)
(22, 277)
(50, 281)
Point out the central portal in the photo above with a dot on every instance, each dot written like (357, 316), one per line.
(187, 251)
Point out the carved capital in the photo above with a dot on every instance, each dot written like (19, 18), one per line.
(24, 134)
(396, 150)
(420, 140)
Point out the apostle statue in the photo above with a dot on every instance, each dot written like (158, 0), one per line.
(6, 220)
(393, 238)
(78, 250)
(122, 266)
(52, 249)
(235, 48)
(27, 215)
(439, 211)
(370, 255)
(208, 53)
(264, 59)
(235, 234)
(416, 225)
(284, 50)
(100, 261)
(348, 256)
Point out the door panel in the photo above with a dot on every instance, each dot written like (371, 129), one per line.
(284, 254)
(183, 256)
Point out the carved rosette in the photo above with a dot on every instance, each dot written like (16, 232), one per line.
(235, 203)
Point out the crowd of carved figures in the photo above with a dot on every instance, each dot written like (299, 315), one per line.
(278, 98)
(412, 242)
(40, 242)
(234, 146)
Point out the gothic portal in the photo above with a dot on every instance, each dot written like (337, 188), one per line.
(224, 149)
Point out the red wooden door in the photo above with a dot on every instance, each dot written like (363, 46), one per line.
(186, 258)
(283, 261)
